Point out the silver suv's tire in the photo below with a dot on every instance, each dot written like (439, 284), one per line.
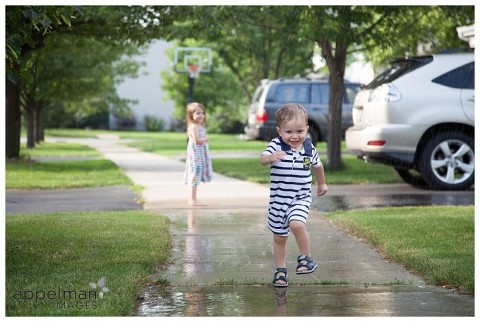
(411, 178)
(447, 161)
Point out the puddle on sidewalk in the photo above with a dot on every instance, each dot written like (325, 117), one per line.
(206, 251)
(334, 203)
(302, 301)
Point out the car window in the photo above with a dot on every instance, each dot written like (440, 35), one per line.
(320, 93)
(287, 93)
(462, 77)
(399, 68)
(258, 93)
(350, 91)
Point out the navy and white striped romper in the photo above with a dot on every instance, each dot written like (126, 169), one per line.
(290, 185)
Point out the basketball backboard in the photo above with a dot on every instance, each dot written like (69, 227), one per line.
(199, 56)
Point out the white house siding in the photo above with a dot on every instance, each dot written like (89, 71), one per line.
(146, 88)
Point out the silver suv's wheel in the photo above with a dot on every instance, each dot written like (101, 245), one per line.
(414, 179)
(447, 161)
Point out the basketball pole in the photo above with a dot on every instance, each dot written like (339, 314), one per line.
(193, 71)
(191, 81)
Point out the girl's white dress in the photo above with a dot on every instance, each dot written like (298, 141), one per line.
(198, 165)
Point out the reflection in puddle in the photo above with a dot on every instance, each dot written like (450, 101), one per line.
(281, 294)
(334, 203)
(345, 301)
(214, 301)
(196, 301)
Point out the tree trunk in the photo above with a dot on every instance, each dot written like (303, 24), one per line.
(30, 120)
(13, 122)
(39, 123)
(334, 151)
(336, 59)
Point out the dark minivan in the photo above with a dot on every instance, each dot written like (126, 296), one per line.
(313, 94)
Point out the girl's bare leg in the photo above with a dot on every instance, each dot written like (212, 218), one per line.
(192, 198)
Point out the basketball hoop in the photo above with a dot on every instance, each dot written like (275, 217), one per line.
(193, 70)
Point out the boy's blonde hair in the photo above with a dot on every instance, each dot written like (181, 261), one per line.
(191, 107)
(291, 111)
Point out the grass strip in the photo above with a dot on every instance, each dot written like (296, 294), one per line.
(354, 171)
(437, 242)
(68, 251)
(58, 150)
(63, 174)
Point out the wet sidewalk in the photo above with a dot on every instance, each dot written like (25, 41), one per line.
(222, 258)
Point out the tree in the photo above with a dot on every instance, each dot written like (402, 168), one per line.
(26, 27)
(253, 42)
(340, 30)
(80, 82)
(249, 44)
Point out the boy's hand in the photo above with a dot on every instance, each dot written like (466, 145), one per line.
(322, 189)
(277, 156)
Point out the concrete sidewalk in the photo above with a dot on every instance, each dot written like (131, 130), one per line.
(227, 242)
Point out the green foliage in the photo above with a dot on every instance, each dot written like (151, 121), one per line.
(153, 123)
(26, 26)
(437, 242)
(249, 44)
(75, 85)
(382, 33)
(219, 91)
(68, 251)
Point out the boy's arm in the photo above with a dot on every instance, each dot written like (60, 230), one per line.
(321, 184)
(269, 158)
(266, 158)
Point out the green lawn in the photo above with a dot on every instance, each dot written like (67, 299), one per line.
(63, 174)
(437, 242)
(29, 173)
(354, 172)
(176, 143)
(68, 251)
(59, 150)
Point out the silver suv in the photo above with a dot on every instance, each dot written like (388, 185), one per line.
(313, 94)
(418, 116)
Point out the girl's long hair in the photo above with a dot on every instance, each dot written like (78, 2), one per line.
(191, 107)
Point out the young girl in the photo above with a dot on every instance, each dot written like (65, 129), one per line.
(198, 167)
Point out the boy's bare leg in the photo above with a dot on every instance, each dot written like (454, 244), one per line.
(280, 252)
(299, 230)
